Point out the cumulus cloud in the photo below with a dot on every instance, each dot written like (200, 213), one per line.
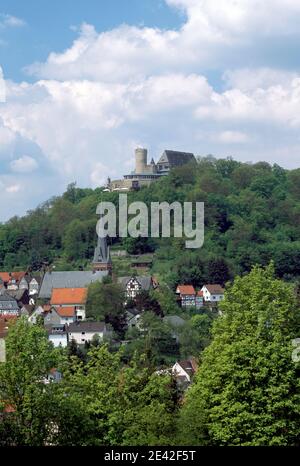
(88, 106)
(7, 138)
(24, 164)
(11, 21)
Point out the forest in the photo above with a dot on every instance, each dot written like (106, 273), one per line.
(252, 216)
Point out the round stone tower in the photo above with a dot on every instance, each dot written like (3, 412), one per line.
(140, 160)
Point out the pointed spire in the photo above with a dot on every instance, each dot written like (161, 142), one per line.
(102, 259)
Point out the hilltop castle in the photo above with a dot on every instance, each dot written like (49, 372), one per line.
(145, 174)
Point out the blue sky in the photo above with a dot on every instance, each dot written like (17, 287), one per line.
(49, 25)
(88, 81)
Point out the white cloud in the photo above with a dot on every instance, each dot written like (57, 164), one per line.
(233, 137)
(24, 164)
(279, 104)
(100, 174)
(13, 189)
(247, 79)
(11, 21)
(107, 92)
(7, 138)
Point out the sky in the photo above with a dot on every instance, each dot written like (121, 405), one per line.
(83, 83)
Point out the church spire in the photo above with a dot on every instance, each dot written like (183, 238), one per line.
(102, 259)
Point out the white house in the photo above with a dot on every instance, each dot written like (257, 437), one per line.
(183, 371)
(213, 293)
(82, 332)
(23, 284)
(57, 335)
(33, 287)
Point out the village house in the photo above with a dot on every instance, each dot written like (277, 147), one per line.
(23, 283)
(27, 310)
(82, 332)
(69, 302)
(57, 335)
(134, 285)
(76, 279)
(15, 279)
(34, 286)
(58, 315)
(132, 318)
(188, 297)
(20, 295)
(8, 305)
(32, 313)
(183, 372)
(213, 293)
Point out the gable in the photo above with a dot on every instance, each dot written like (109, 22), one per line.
(133, 284)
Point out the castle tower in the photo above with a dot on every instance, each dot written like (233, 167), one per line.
(102, 259)
(140, 160)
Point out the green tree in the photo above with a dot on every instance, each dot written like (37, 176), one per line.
(247, 390)
(195, 335)
(106, 302)
(29, 358)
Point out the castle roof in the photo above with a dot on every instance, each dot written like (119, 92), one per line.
(176, 158)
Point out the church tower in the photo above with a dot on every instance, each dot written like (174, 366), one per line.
(102, 259)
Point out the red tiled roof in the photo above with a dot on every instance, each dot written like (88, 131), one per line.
(67, 311)
(18, 275)
(5, 276)
(186, 289)
(68, 296)
(200, 293)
